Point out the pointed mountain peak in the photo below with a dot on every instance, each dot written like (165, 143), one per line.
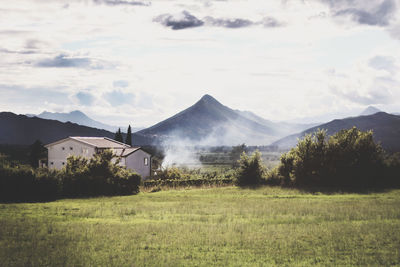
(369, 111)
(207, 99)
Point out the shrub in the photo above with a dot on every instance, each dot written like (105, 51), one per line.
(274, 178)
(183, 177)
(350, 158)
(22, 183)
(80, 177)
(251, 170)
(98, 176)
(392, 169)
(189, 182)
(172, 173)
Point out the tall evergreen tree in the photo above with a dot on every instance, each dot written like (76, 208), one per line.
(128, 139)
(118, 136)
(36, 153)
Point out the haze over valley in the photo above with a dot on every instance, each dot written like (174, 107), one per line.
(206, 123)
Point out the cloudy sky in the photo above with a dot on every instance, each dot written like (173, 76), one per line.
(138, 62)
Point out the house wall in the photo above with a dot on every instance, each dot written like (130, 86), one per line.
(57, 156)
(136, 162)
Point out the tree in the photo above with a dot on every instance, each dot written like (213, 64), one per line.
(251, 170)
(118, 136)
(349, 158)
(128, 139)
(37, 152)
(101, 175)
(236, 154)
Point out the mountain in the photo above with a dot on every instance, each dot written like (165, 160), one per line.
(79, 118)
(369, 111)
(282, 128)
(209, 122)
(386, 128)
(24, 130)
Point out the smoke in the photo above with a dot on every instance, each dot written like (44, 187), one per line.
(180, 156)
(183, 150)
(181, 147)
(179, 151)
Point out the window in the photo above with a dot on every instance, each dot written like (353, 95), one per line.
(63, 148)
(51, 163)
(146, 161)
(63, 163)
(70, 148)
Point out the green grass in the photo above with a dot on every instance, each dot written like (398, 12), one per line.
(202, 227)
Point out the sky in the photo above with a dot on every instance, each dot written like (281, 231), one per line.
(139, 62)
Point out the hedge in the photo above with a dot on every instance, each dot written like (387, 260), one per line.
(188, 182)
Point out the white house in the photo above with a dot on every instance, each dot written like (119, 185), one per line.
(133, 158)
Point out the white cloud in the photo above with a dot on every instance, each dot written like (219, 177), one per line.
(94, 48)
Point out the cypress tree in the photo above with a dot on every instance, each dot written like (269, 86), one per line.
(118, 136)
(128, 139)
(37, 152)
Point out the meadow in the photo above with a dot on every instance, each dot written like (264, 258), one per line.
(228, 226)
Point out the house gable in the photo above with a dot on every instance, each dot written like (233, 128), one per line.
(58, 152)
(139, 161)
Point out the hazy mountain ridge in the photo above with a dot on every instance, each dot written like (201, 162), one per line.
(24, 130)
(80, 118)
(207, 122)
(386, 128)
(283, 128)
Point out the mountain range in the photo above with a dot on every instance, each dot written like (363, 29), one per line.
(23, 130)
(207, 122)
(386, 129)
(80, 118)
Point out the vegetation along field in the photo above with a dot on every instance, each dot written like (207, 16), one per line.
(201, 227)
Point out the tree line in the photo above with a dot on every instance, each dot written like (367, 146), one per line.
(349, 159)
(98, 176)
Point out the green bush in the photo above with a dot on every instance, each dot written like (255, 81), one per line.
(189, 182)
(183, 177)
(274, 178)
(80, 177)
(251, 170)
(349, 158)
(22, 183)
(98, 176)
(392, 169)
(172, 173)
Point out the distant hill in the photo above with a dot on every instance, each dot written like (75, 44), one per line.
(24, 130)
(369, 111)
(281, 128)
(209, 122)
(80, 118)
(386, 129)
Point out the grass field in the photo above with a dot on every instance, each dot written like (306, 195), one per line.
(202, 227)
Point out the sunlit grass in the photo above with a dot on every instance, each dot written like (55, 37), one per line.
(202, 227)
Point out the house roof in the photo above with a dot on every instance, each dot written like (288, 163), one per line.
(126, 151)
(120, 149)
(98, 142)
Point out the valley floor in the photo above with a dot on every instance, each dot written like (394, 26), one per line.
(202, 227)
